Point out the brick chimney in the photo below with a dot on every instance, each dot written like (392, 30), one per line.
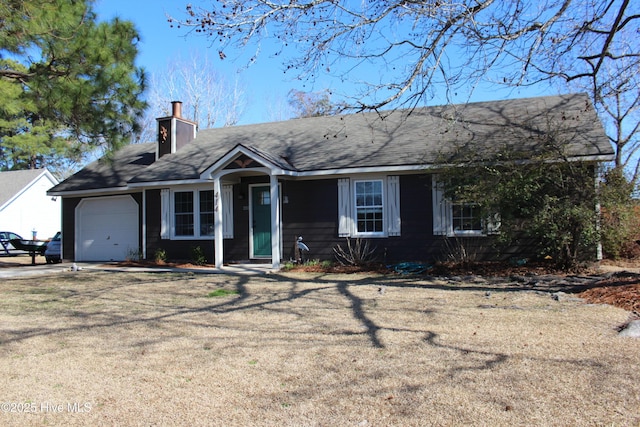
(174, 132)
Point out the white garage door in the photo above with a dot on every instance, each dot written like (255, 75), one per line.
(106, 229)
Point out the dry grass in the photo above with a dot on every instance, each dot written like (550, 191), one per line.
(306, 350)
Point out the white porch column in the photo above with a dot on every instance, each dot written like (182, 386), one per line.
(217, 223)
(275, 222)
(144, 224)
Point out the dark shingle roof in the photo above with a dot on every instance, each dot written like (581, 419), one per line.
(370, 140)
(104, 173)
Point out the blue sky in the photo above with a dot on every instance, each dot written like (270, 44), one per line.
(265, 83)
(160, 44)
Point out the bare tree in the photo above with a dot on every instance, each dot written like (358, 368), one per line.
(417, 46)
(616, 94)
(313, 104)
(208, 98)
(607, 65)
(618, 104)
(277, 108)
(300, 104)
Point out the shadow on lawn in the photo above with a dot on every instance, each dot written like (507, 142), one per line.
(242, 301)
(239, 302)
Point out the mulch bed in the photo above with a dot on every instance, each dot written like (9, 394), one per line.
(493, 269)
(621, 291)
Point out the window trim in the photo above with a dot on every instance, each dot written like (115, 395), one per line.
(195, 214)
(442, 224)
(174, 214)
(382, 207)
(211, 212)
(473, 232)
(167, 211)
(347, 209)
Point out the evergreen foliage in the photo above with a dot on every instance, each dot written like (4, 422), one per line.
(69, 84)
(620, 216)
(539, 196)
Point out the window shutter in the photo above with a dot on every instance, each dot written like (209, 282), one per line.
(227, 211)
(393, 205)
(345, 221)
(165, 213)
(441, 209)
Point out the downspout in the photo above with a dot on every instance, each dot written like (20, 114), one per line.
(599, 251)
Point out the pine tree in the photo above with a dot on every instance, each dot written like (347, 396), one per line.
(68, 83)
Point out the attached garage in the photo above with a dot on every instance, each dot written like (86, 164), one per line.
(107, 229)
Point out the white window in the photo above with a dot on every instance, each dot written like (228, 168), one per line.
(183, 211)
(369, 207)
(206, 213)
(190, 213)
(193, 213)
(465, 218)
(459, 219)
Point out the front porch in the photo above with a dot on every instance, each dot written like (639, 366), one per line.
(262, 202)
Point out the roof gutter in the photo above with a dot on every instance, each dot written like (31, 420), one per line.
(327, 173)
(92, 192)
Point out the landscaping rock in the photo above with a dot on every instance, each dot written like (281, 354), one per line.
(562, 297)
(631, 330)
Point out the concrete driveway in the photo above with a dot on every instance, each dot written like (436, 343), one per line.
(20, 266)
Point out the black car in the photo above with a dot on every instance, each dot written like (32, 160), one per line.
(6, 246)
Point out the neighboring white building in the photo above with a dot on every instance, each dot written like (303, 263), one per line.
(25, 206)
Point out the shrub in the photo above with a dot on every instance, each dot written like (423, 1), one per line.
(358, 253)
(551, 203)
(326, 264)
(160, 256)
(620, 220)
(197, 256)
(289, 265)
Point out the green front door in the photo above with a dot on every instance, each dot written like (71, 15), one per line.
(261, 221)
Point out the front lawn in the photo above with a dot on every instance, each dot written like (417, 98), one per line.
(296, 349)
